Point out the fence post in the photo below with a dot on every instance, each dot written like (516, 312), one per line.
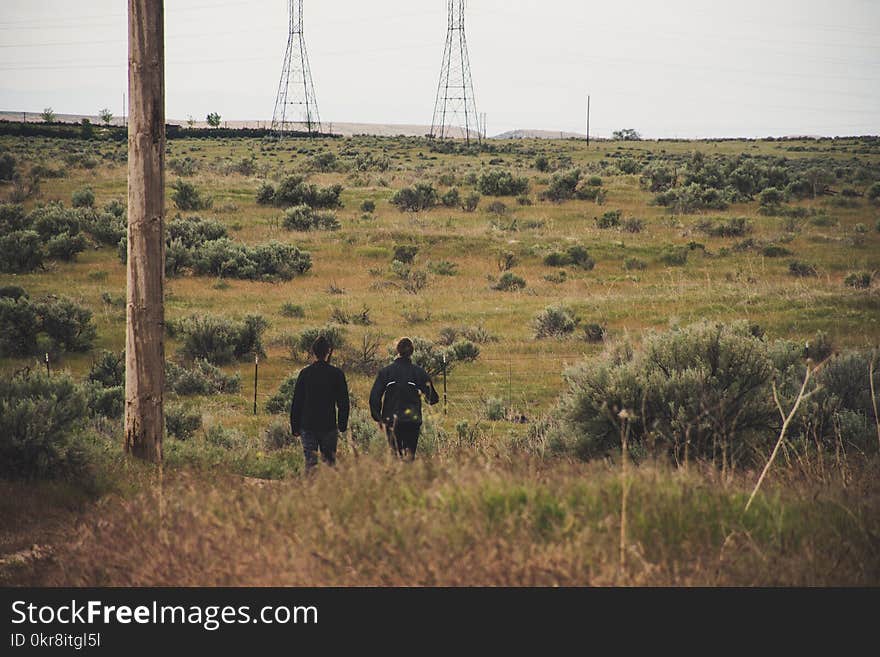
(445, 399)
(48, 372)
(256, 379)
(509, 386)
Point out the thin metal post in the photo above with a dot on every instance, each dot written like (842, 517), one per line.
(256, 379)
(445, 398)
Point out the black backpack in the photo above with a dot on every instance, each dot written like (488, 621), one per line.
(403, 398)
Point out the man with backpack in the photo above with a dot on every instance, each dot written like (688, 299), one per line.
(320, 391)
(396, 400)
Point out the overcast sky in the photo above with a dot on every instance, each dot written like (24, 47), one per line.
(669, 68)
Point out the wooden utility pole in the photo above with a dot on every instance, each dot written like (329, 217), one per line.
(145, 325)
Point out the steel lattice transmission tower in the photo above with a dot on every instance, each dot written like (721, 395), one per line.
(455, 112)
(296, 103)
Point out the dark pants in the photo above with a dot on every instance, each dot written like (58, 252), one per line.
(325, 441)
(405, 439)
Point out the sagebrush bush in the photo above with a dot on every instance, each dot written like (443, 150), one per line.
(502, 183)
(674, 256)
(554, 322)
(278, 436)
(108, 370)
(83, 198)
(202, 378)
(182, 421)
(293, 310)
(509, 282)
(267, 262)
(187, 198)
(801, 269)
(704, 389)
(859, 280)
(610, 219)
(417, 198)
(21, 252)
(294, 190)
(405, 253)
(105, 402)
(573, 256)
(219, 340)
(41, 421)
(281, 401)
(303, 218)
(732, 227)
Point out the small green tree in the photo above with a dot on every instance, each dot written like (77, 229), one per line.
(213, 120)
(106, 116)
(48, 115)
(627, 134)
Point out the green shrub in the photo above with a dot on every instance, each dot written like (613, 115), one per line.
(554, 322)
(405, 253)
(66, 247)
(278, 436)
(595, 333)
(860, 280)
(495, 409)
(633, 225)
(873, 193)
(220, 436)
(704, 390)
(187, 198)
(421, 196)
(19, 326)
(54, 219)
(634, 264)
(574, 255)
(83, 198)
(108, 370)
(105, 402)
(497, 207)
(610, 219)
(272, 261)
(13, 218)
(563, 185)
(193, 232)
(293, 310)
(674, 256)
(470, 203)
(451, 199)
(67, 324)
(7, 167)
(443, 268)
(202, 378)
(509, 282)
(303, 218)
(775, 251)
(733, 227)
(281, 401)
(368, 206)
(182, 422)
(502, 183)
(105, 227)
(41, 420)
(14, 292)
(21, 252)
(693, 198)
(219, 340)
(294, 190)
(802, 269)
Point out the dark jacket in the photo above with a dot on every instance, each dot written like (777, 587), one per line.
(320, 390)
(389, 388)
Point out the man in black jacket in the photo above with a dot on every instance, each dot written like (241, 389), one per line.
(320, 390)
(396, 402)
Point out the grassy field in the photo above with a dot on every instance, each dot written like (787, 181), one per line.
(556, 523)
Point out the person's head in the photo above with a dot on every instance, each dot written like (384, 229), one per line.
(405, 348)
(321, 348)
